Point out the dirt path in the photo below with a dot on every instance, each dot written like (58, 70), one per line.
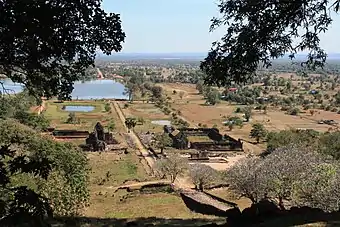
(39, 109)
(148, 156)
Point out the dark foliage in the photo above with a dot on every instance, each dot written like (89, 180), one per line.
(259, 31)
(47, 45)
(20, 205)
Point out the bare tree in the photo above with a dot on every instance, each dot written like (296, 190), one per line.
(283, 168)
(319, 187)
(298, 175)
(172, 166)
(203, 176)
(246, 179)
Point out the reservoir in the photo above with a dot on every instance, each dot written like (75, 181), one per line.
(10, 87)
(95, 89)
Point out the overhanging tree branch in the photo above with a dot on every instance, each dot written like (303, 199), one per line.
(260, 31)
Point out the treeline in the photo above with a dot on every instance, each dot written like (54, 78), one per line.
(331, 67)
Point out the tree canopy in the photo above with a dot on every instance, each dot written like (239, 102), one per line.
(47, 45)
(259, 31)
(60, 181)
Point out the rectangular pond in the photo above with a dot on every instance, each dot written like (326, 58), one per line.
(161, 122)
(78, 108)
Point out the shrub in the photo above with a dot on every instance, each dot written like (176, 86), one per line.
(294, 111)
(238, 110)
(107, 107)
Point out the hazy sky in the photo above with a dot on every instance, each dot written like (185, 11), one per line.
(176, 26)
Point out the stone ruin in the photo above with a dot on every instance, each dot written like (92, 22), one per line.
(99, 140)
(96, 139)
(199, 155)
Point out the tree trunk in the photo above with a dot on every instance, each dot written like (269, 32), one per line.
(258, 140)
(172, 178)
(281, 205)
(200, 186)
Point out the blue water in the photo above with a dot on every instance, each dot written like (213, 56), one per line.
(10, 87)
(161, 122)
(96, 89)
(78, 108)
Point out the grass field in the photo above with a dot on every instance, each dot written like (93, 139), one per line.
(148, 112)
(88, 120)
(111, 170)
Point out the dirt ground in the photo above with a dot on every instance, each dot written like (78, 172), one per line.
(193, 109)
(230, 161)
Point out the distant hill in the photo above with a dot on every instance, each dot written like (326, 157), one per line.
(153, 56)
(331, 56)
(185, 56)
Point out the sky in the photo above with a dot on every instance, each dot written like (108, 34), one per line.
(181, 26)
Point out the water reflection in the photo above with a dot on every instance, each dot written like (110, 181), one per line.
(96, 89)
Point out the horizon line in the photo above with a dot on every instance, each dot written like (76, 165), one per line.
(328, 53)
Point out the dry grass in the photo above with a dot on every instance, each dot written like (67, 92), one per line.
(199, 139)
(193, 109)
(106, 203)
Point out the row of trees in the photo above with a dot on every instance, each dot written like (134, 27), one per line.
(138, 86)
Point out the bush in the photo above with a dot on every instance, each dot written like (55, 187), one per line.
(306, 107)
(166, 110)
(238, 110)
(285, 108)
(107, 107)
(294, 111)
(72, 119)
(126, 105)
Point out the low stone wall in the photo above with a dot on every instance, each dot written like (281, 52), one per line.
(215, 146)
(207, 209)
(70, 133)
